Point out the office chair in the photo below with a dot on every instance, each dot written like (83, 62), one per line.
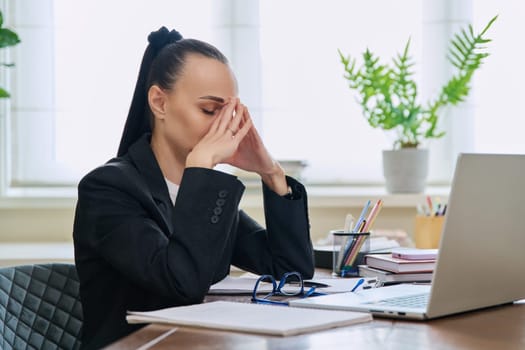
(40, 307)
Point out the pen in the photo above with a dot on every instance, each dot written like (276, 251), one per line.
(345, 250)
(362, 226)
(349, 222)
(362, 216)
(348, 250)
(365, 227)
(343, 253)
(355, 252)
(360, 282)
(420, 210)
(372, 216)
(444, 210)
(355, 245)
(429, 202)
(371, 283)
(437, 204)
(314, 284)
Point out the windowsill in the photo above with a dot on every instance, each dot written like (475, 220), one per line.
(319, 196)
(344, 196)
(35, 253)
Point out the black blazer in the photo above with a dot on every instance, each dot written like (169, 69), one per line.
(134, 250)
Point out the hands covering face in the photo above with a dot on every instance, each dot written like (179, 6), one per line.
(232, 139)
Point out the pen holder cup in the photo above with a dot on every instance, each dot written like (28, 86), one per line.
(349, 252)
(427, 231)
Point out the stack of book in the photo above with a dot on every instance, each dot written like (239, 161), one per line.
(402, 265)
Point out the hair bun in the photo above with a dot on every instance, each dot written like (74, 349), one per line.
(163, 37)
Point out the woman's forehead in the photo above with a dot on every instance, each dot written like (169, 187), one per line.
(204, 76)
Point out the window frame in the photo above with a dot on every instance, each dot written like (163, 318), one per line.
(60, 193)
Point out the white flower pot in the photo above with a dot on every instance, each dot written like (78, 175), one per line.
(405, 170)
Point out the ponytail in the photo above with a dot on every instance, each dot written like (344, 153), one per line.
(136, 123)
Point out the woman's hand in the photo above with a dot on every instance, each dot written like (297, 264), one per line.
(222, 139)
(252, 155)
(234, 140)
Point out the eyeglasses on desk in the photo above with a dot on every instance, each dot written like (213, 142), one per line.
(291, 284)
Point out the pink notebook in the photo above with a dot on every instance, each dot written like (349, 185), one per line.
(414, 253)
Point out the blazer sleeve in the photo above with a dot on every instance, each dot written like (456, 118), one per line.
(285, 244)
(113, 220)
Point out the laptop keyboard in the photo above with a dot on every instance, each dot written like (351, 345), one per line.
(410, 301)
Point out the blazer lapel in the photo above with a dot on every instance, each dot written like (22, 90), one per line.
(144, 160)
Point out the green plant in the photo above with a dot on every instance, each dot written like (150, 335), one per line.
(388, 95)
(7, 38)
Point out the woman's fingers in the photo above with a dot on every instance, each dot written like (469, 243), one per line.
(226, 115)
(215, 125)
(225, 133)
(240, 110)
(243, 131)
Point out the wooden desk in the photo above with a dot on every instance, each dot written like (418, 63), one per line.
(494, 328)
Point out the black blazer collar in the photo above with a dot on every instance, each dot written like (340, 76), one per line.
(144, 160)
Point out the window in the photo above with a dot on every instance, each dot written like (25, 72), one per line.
(78, 61)
(74, 77)
(500, 115)
(310, 113)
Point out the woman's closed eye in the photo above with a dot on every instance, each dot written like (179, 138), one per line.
(210, 111)
(212, 107)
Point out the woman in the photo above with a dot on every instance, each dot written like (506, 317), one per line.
(156, 226)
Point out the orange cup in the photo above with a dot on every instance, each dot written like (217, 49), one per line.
(427, 231)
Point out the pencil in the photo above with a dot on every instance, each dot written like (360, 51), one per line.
(373, 215)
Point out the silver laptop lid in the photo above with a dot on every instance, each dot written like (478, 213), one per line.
(481, 258)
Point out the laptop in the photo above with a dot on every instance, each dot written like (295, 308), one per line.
(481, 257)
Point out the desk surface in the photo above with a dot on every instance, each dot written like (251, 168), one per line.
(494, 328)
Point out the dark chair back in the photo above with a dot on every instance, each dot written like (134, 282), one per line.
(40, 307)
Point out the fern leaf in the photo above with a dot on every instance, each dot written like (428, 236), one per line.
(455, 60)
(460, 43)
(488, 25)
(471, 31)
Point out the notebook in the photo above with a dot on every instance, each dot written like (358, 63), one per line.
(480, 261)
(250, 318)
(414, 254)
(389, 263)
(386, 277)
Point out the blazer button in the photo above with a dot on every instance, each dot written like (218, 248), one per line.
(214, 219)
(223, 194)
(217, 211)
(220, 202)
